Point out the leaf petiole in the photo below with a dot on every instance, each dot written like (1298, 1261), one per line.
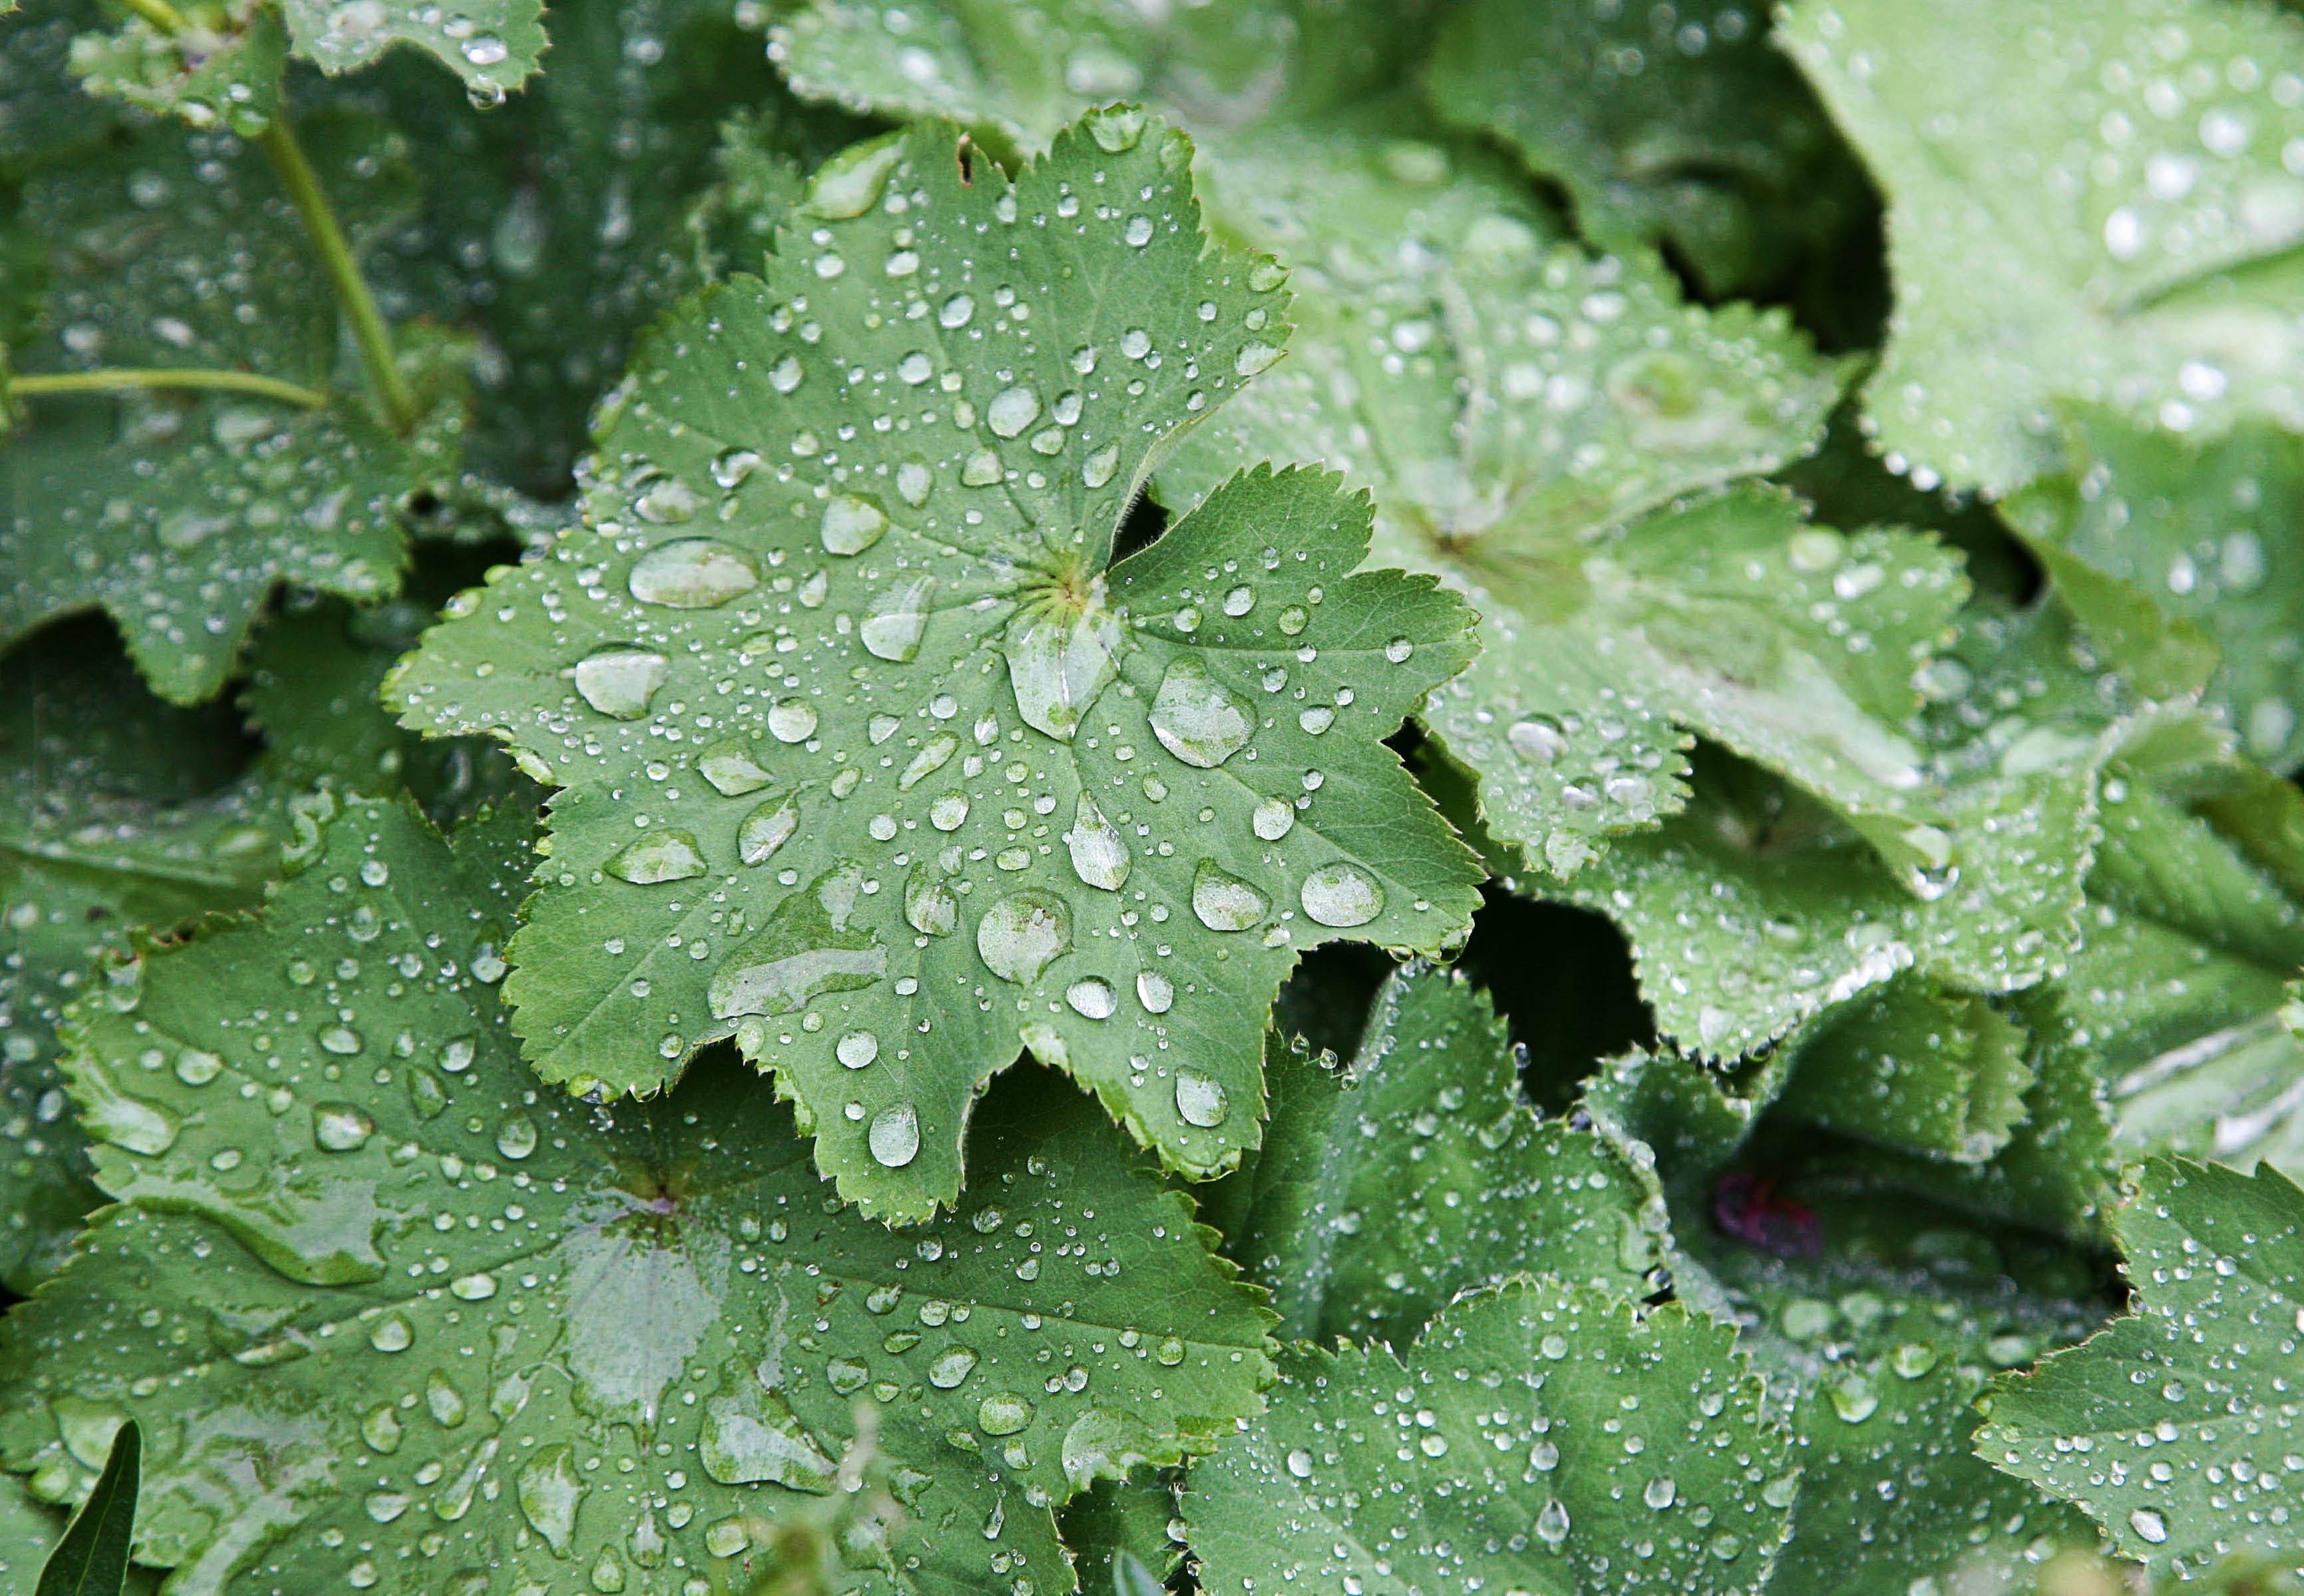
(336, 259)
(125, 379)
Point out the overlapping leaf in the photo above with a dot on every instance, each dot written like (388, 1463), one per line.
(2204, 529)
(866, 757)
(2173, 1427)
(176, 513)
(1671, 126)
(1411, 1172)
(1017, 74)
(120, 812)
(1880, 1320)
(395, 1315)
(1540, 1437)
(554, 227)
(2088, 200)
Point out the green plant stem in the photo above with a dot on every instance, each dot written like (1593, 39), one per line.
(122, 379)
(336, 259)
(162, 15)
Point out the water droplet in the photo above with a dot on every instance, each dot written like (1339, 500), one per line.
(767, 827)
(1196, 718)
(1273, 819)
(1341, 895)
(340, 1128)
(952, 1367)
(1854, 1399)
(895, 1136)
(1022, 935)
(892, 627)
(1537, 738)
(751, 1436)
(1093, 998)
(852, 524)
(516, 1137)
(549, 1491)
(729, 768)
(1300, 1464)
(2149, 1525)
(657, 857)
(695, 573)
(1225, 902)
(791, 720)
(1200, 1101)
(1660, 1492)
(1156, 991)
(1003, 1412)
(1552, 1521)
(1099, 853)
(1012, 411)
(619, 681)
(851, 182)
(1059, 658)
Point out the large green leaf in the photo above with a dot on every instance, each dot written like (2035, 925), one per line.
(2088, 200)
(869, 757)
(1675, 126)
(2204, 528)
(177, 513)
(1540, 1438)
(116, 812)
(2174, 1427)
(391, 1314)
(1018, 73)
(1412, 1172)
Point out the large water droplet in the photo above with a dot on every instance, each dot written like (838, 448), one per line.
(619, 681)
(657, 857)
(550, 1492)
(1225, 902)
(695, 573)
(731, 768)
(952, 1367)
(1341, 895)
(892, 627)
(1012, 411)
(895, 1136)
(752, 1436)
(1201, 1101)
(2149, 1525)
(1003, 1412)
(1552, 1521)
(852, 523)
(1022, 935)
(1196, 718)
(341, 1126)
(1099, 853)
(767, 827)
(1059, 658)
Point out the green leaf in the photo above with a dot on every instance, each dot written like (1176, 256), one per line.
(1017, 74)
(1532, 421)
(117, 811)
(554, 227)
(92, 1557)
(2198, 526)
(2171, 1428)
(492, 45)
(1118, 1534)
(976, 790)
(27, 1530)
(1412, 1172)
(1918, 1066)
(175, 513)
(2059, 227)
(1878, 1337)
(472, 1326)
(2184, 984)
(1677, 128)
(1502, 1448)
(222, 70)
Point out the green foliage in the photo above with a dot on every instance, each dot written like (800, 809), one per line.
(2186, 1405)
(1077, 798)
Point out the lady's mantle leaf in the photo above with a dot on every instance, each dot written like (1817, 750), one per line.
(176, 513)
(1540, 1437)
(1393, 1182)
(117, 812)
(2088, 200)
(92, 1557)
(867, 758)
(389, 1312)
(1676, 127)
(2173, 1428)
